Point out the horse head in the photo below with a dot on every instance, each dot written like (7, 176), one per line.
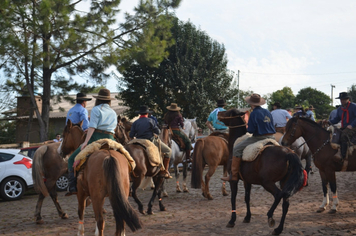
(191, 129)
(293, 131)
(232, 118)
(73, 135)
(120, 133)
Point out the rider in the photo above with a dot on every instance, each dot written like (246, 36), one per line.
(346, 113)
(213, 118)
(102, 124)
(260, 125)
(280, 118)
(78, 112)
(310, 112)
(146, 128)
(174, 120)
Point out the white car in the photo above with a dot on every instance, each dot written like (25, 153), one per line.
(15, 174)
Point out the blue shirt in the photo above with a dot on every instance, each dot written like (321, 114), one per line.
(260, 122)
(103, 117)
(352, 116)
(311, 115)
(333, 114)
(144, 128)
(77, 114)
(280, 117)
(213, 117)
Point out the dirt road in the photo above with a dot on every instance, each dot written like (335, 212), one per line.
(191, 214)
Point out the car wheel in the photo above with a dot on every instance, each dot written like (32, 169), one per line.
(12, 188)
(62, 183)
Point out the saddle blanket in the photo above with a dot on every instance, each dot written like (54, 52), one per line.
(152, 151)
(253, 150)
(81, 158)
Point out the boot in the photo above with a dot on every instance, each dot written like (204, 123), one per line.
(235, 168)
(337, 156)
(187, 156)
(165, 173)
(72, 187)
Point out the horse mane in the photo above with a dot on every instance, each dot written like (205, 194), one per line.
(309, 121)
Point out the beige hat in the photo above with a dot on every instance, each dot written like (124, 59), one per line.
(255, 99)
(173, 107)
(104, 94)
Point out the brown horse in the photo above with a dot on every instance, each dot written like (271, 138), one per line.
(126, 124)
(105, 174)
(212, 151)
(318, 140)
(274, 164)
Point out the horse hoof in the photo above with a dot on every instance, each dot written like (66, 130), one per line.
(39, 222)
(150, 212)
(321, 209)
(210, 197)
(162, 209)
(64, 216)
(271, 222)
(186, 190)
(275, 233)
(225, 194)
(165, 194)
(246, 221)
(230, 225)
(332, 211)
(142, 212)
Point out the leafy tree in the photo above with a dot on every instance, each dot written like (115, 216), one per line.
(352, 92)
(7, 132)
(44, 43)
(194, 76)
(320, 101)
(284, 96)
(238, 100)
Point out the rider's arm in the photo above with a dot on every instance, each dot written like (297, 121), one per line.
(208, 123)
(89, 134)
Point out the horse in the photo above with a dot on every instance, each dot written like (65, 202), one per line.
(191, 130)
(273, 164)
(105, 173)
(318, 140)
(212, 151)
(126, 124)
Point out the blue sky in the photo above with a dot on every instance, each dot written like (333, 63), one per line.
(279, 43)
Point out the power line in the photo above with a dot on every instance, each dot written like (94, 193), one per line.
(333, 73)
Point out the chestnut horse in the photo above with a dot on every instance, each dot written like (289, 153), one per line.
(105, 174)
(318, 140)
(273, 164)
(212, 151)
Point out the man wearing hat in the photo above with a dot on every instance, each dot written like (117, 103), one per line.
(103, 122)
(213, 122)
(280, 118)
(310, 112)
(78, 113)
(146, 128)
(346, 113)
(260, 125)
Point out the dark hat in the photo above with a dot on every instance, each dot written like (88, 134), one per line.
(82, 97)
(311, 107)
(104, 94)
(255, 99)
(143, 110)
(173, 107)
(220, 102)
(343, 95)
(277, 104)
(298, 107)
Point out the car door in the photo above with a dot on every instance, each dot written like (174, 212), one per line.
(4, 161)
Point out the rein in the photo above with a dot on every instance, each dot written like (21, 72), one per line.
(236, 126)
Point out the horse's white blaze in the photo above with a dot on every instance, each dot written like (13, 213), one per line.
(96, 229)
(325, 201)
(335, 202)
(81, 230)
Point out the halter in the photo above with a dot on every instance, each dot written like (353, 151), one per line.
(236, 126)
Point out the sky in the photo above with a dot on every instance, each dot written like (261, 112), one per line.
(278, 43)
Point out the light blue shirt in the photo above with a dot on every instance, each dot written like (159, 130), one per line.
(213, 117)
(311, 115)
(103, 117)
(280, 117)
(77, 114)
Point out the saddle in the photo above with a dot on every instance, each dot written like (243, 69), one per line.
(153, 154)
(335, 135)
(106, 144)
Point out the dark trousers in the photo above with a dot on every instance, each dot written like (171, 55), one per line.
(345, 138)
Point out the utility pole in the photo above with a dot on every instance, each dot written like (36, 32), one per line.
(332, 94)
(238, 88)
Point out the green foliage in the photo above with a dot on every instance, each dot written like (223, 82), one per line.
(194, 75)
(352, 92)
(284, 96)
(7, 132)
(320, 101)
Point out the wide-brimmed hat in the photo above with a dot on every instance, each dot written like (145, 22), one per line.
(255, 99)
(311, 107)
(143, 110)
(220, 102)
(104, 94)
(173, 107)
(277, 104)
(298, 107)
(343, 95)
(82, 97)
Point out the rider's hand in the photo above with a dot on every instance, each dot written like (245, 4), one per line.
(349, 127)
(83, 145)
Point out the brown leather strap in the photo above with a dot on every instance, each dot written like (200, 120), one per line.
(103, 132)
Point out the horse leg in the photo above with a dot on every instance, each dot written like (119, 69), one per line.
(161, 206)
(81, 206)
(185, 173)
(247, 186)
(158, 181)
(136, 183)
(38, 216)
(285, 206)
(223, 188)
(234, 188)
(163, 189)
(277, 194)
(334, 192)
(308, 165)
(176, 172)
(54, 196)
(98, 204)
(208, 175)
(324, 184)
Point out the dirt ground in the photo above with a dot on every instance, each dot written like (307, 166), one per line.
(191, 214)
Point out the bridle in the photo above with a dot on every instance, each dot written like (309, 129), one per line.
(233, 117)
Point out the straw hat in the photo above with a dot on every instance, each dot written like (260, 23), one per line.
(255, 100)
(104, 94)
(173, 107)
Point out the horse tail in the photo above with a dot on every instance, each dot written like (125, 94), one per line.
(197, 164)
(38, 171)
(296, 175)
(123, 211)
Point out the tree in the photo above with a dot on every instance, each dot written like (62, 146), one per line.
(284, 96)
(320, 101)
(352, 92)
(7, 131)
(194, 76)
(44, 43)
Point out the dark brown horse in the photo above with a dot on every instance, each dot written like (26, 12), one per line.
(126, 124)
(211, 151)
(318, 140)
(274, 164)
(105, 174)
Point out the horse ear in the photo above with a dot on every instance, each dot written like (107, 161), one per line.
(69, 124)
(81, 123)
(118, 118)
